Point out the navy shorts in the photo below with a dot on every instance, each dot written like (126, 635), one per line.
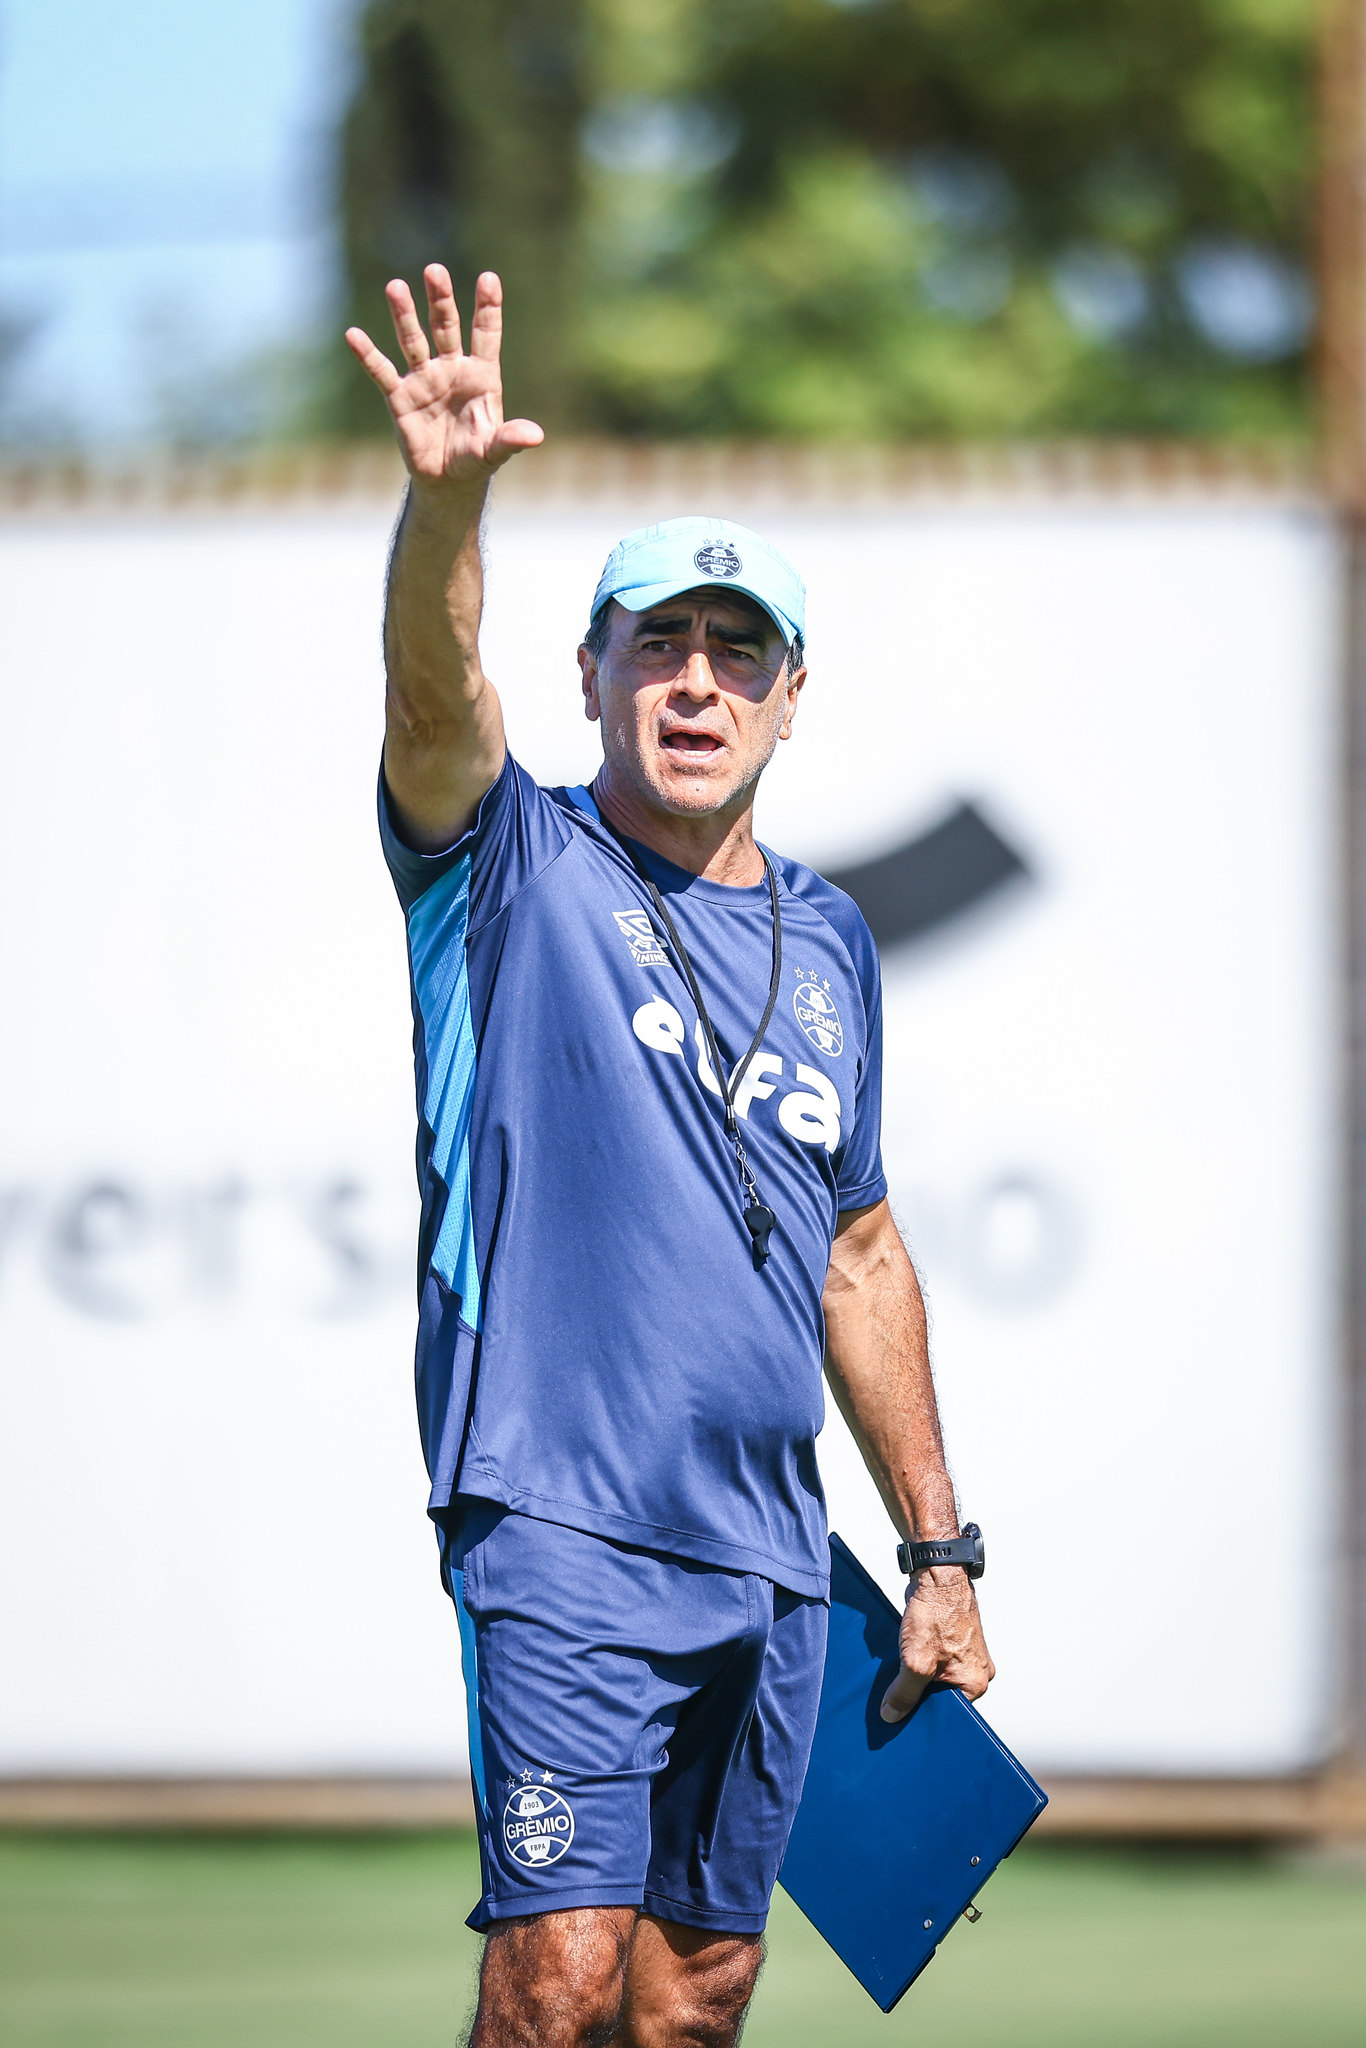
(639, 1723)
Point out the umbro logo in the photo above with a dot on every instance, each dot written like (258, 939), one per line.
(647, 948)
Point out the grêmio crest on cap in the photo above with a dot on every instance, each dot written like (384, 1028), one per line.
(718, 558)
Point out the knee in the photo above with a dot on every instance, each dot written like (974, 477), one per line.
(701, 2001)
(553, 1981)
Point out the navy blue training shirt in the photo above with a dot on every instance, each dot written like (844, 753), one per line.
(595, 1347)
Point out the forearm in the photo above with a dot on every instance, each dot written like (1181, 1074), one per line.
(878, 1363)
(878, 1366)
(443, 727)
(433, 606)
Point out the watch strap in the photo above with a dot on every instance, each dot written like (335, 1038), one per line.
(966, 1550)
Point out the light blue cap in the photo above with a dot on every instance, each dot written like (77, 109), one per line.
(657, 562)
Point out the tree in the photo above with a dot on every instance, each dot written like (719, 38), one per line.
(884, 218)
(460, 145)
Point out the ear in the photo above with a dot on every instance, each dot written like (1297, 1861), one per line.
(588, 670)
(794, 690)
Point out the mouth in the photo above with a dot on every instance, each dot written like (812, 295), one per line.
(688, 743)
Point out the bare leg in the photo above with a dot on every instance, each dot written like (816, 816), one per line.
(686, 1988)
(554, 1980)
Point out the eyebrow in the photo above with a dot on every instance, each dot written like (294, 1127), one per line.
(747, 635)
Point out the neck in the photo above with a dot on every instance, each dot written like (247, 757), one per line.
(718, 845)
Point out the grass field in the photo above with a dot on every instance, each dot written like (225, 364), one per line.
(311, 1943)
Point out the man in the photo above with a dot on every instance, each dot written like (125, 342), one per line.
(642, 1222)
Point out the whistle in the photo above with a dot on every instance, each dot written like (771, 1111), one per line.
(760, 1220)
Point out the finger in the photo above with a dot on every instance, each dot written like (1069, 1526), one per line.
(902, 1694)
(442, 310)
(486, 326)
(412, 337)
(971, 1675)
(375, 364)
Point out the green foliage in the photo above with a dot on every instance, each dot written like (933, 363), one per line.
(870, 218)
(460, 146)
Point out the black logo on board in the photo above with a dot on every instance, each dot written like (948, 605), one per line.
(933, 879)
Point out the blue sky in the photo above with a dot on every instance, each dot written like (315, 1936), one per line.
(163, 221)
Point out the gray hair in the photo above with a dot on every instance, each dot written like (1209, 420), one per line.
(595, 639)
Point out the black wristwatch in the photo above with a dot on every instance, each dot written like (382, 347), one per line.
(967, 1550)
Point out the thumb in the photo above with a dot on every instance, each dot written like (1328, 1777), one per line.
(512, 436)
(902, 1694)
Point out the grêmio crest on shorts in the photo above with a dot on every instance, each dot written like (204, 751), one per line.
(594, 1345)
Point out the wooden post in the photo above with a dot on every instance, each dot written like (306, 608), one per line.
(1342, 253)
(1342, 426)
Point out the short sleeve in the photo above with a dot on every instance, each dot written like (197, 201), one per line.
(861, 1181)
(517, 832)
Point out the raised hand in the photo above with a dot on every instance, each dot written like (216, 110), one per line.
(448, 409)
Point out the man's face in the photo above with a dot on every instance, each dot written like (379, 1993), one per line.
(693, 696)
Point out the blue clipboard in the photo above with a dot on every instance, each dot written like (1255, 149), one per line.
(900, 1824)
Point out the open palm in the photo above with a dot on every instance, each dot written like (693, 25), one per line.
(448, 409)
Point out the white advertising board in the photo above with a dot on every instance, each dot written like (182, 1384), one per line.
(1092, 749)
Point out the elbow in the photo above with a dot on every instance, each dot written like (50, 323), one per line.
(867, 1263)
(421, 731)
(858, 1258)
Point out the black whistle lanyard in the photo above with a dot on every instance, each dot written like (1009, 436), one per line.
(759, 1218)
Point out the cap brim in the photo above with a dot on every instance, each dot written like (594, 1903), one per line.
(645, 594)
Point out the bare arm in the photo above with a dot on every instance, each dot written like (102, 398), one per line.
(443, 743)
(878, 1366)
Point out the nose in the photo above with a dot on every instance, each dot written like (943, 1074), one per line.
(696, 679)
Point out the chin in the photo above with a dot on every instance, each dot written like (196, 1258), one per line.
(695, 791)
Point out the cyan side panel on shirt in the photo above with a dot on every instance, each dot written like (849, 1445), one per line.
(436, 946)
